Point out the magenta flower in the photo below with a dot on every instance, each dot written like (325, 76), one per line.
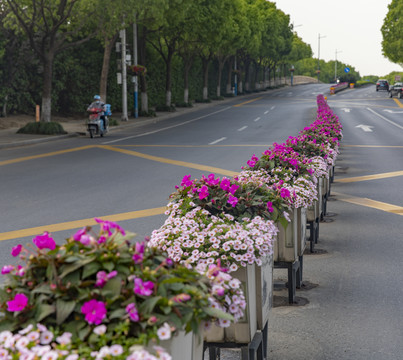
(143, 288)
(133, 313)
(233, 200)
(94, 311)
(186, 181)
(225, 184)
(103, 277)
(6, 269)
(233, 189)
(19, 302)
(15, 251)
(203, 192)
(44, 241)
(285, 193)
(270, 206)
(77, 236)
(108, 225)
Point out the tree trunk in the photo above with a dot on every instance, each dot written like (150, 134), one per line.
(4, 109)
(142, 77)
(168, 79)
(187, 64)
(229, 79)
(46, 111)
(109, 44)
(205, 63)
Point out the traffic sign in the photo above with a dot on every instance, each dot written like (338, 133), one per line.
(346, 69)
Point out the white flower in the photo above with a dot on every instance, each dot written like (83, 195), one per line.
(26, 330)
(164, 332)
(46, 337)
(116, 350)
(51, 355)
(100, 330)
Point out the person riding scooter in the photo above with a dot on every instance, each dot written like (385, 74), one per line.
(99, 104)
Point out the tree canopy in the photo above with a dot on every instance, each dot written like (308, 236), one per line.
(392, 32)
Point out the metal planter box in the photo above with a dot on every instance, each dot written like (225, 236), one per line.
(243, 331)
(285, 248)
(185, 346)
(301, 230)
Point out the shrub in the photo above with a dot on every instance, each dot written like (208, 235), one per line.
(44, 128)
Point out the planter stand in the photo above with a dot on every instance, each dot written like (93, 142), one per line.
(294, 277)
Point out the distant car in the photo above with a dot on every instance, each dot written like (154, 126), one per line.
(396, 90)
(382, 84)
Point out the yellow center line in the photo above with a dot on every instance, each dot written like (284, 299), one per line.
(370, 177)
(172, 162)
(54, 153)
(398, 103)
(247, 102)
(80, 223)
(370, 203)
(375, 146)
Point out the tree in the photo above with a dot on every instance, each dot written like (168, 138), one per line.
(392, 30)
(51, 27)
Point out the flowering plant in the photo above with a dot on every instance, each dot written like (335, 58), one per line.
(38, 342)
(136, 69)
(228, 196)
(198, 237)
(93, 279)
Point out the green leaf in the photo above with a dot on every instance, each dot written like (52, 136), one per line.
(283, 221)
(63, 310)
(113, 287)
(108, 266)
(44, 310)
(148, 305)
(42, 289)
(90, 269)
(117, 314)
(74, 266)
(216, 313)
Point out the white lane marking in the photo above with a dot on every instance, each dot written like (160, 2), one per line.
(393, 112)
(346, 110)
(272, 107)
(366, 128)
(257, 119)
(167, 128)
(242, 128)
(384, 118)
(266, 112)
(217, 141)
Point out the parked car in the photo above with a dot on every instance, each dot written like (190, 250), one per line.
(382, 84)
(396, 90)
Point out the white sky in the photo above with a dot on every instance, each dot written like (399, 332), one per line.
(350, 27)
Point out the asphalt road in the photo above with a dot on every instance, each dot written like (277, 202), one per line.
(353, 308)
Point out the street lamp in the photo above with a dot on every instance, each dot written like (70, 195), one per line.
(335, 65)
(318, 71)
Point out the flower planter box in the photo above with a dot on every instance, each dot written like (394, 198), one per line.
(244, 330)
(185, 346)
(301, 230)
(264, 291)
(285, 248)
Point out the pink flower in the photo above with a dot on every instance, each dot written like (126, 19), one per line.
(143, 288)
(181, 298)
(270, 206)
(108, 225)
(44, 241)
(94, 311)
(225, 184)
(203, 192)
(19, 302)
(233, 189)
(77, 236)
(15, 251)
(233, 200)
(186, 181)
(133, 313)
(6, 269)
(284, 193)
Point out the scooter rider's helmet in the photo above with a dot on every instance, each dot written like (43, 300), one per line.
(97, 97)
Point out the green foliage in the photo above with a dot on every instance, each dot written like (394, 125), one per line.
(392, 30)
(59, 280)
(44, 128)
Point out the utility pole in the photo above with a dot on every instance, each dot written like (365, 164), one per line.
(235, 79)
(135, 79)
(335, 66)
(124, 76)
(318, 71)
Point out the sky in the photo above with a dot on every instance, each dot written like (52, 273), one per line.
(349, 30)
